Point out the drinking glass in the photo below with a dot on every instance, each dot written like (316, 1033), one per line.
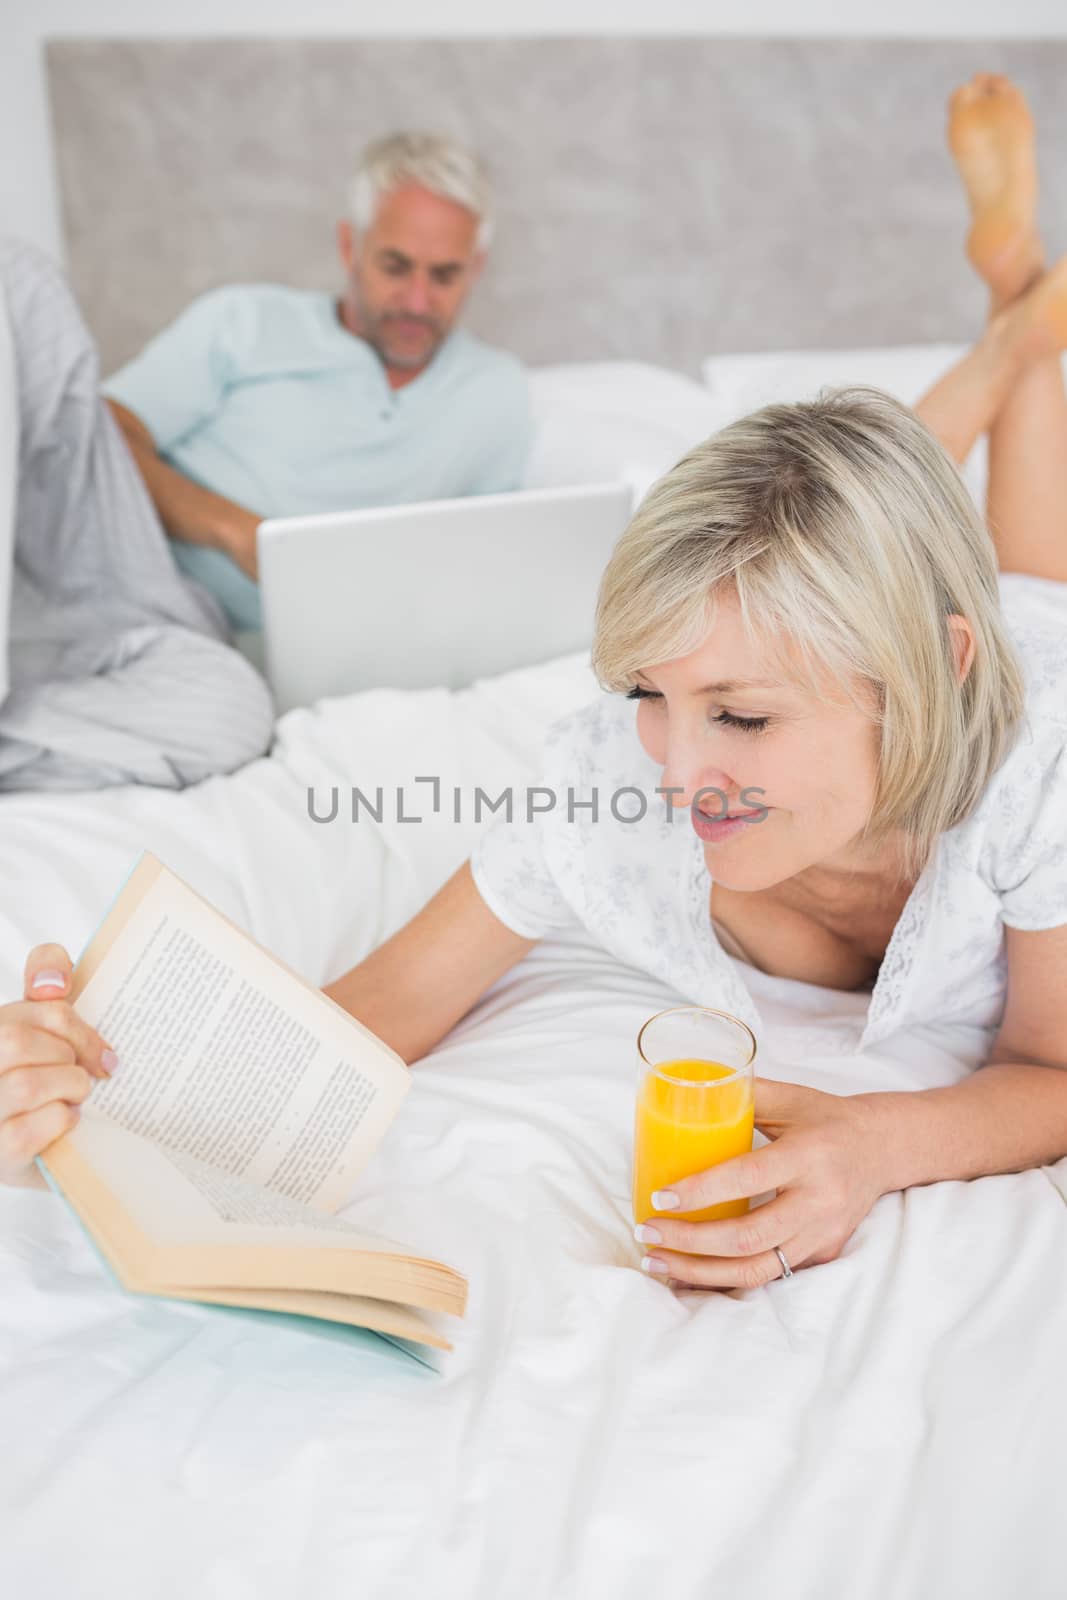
(695, 1103)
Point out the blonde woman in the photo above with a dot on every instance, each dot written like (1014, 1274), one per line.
(837, 754)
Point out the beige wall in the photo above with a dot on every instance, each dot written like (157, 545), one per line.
(28, 203)
(659, 199)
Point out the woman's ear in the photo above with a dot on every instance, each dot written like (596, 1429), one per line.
(961, 637)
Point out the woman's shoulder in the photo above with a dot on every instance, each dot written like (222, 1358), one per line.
(606, 786)
(1035, 611)
(1020, 826)
(596, 737)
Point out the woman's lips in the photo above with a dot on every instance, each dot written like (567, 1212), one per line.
(713, 830)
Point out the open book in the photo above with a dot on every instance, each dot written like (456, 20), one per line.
(246, 1104)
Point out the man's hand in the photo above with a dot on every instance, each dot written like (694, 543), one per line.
(238, 539)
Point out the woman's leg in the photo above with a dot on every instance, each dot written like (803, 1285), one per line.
(1026, 502)
(990, 134)
(966, 401)
(1011, 385)
(1016, 359)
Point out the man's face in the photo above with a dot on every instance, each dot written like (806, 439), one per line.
(409, 274)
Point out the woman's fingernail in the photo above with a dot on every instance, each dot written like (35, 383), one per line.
(646, 1235)
(109, 1061)
(653, 1264)
(664, 1200)
(49, 979)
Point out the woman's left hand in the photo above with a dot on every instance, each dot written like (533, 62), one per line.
(821, 1160)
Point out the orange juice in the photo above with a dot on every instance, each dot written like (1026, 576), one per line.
(686, 1127)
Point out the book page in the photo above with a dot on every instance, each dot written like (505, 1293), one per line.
(226, 1056)
(167, 1223)
(392, 1319)
(179, 1200)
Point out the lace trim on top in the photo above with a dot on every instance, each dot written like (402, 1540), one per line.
(894, 974)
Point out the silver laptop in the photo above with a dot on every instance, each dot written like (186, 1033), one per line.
(437, 593)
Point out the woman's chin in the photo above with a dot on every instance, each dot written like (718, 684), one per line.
(735, 867)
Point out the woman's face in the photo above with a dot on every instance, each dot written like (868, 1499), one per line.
(723, 719)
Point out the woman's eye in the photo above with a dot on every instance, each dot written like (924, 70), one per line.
(725, 719)
(748, 724)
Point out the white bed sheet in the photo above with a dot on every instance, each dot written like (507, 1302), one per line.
(889, 1425)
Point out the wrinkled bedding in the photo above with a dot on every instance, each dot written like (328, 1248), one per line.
(888, 1425)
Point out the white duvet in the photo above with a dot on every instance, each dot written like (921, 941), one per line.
(889, 1425)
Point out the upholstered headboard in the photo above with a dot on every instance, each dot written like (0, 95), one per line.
(658, 199)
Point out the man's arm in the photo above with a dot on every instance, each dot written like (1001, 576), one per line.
(186, 510)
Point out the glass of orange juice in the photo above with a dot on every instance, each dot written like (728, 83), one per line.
(695, 1103)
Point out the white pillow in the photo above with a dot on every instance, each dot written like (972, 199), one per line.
(604, 420)
(739, 384)
(743, 383)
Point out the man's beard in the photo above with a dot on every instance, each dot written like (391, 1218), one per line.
(377, 334)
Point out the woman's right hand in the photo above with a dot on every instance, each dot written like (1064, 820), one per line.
(49, 1060)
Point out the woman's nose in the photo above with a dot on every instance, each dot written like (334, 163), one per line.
(685, 778)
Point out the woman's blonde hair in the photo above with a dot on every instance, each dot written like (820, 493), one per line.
(846, 532)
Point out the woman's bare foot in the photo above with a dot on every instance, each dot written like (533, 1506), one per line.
(1036, 324)
(991, 136)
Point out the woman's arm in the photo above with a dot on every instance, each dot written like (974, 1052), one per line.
(1012, 1113)
(832, 1156)
(418, 984)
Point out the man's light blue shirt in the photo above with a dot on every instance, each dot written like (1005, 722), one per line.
(261, 394)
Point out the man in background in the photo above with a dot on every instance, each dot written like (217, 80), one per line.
(262, 401)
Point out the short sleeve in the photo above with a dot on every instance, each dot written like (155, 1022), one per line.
(1031, 867)
(516, 868)
(510, 869)
(180, 378)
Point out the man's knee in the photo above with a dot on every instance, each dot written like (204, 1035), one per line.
(215, 711)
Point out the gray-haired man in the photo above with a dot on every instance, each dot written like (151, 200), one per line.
(266, 401)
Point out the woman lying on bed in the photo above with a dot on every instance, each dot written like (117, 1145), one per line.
(807, 612)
